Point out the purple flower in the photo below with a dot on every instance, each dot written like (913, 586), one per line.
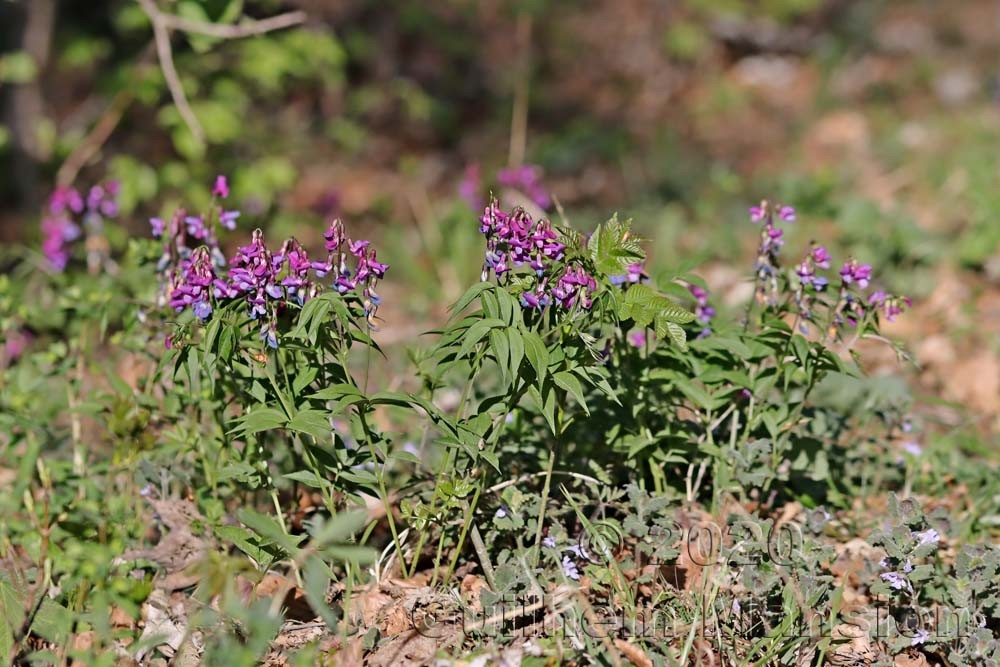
(196, 227)
(221, 188)
(575, 286)
(58, 232)
(913, 448)
(69, 213)
(897, 581)
(702, 312)
(633, 274)
(65, 200)
(252, 274)
(15, 345)
(549, 542)
(228, 219)
(158, 226)
(192, 285)
(919, 637)
(891, 306)
(852, 272)
(638, 338)
(527, 179)
(766, 211)
(821, 257)
(929, 536)
(502, 512)
(470, 187)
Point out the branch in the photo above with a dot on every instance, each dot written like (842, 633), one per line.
(166, 55)
(96, 138)
(164, 23)
(238, 31)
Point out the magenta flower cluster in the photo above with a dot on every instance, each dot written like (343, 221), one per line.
(69, 213)
(634, 273)
(525, 179)
(514, 240)
(771, 240)
(703, 312)
(528, 180)
(850, 306)
(268, 283)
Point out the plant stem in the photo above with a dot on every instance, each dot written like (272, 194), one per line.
(383, 492)
(553, 453)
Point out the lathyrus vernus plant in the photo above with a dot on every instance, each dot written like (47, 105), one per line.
(531, 341)
(258, 364)
(737, 409)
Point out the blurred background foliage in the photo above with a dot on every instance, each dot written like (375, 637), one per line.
(677, 113)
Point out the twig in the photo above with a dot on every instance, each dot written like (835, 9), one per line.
(524, 478)
(162, 25)
(248, 29)
(166, 55)
(98, 135)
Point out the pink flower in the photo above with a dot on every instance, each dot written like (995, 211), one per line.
(221, 188)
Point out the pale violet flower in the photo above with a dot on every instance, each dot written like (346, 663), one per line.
(896, 580)
(929, 536)
(570, 569)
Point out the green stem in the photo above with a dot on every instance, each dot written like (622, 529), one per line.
(446, 466)
(383, 492)
(553, 453)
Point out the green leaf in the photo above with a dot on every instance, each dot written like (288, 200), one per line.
(801, 346)
(339, 528)
(337, 392)
(516, 341)
(537, 354)
(476, 333)
(500, 345)
(612, 248)
(244, 541)
(312, 422)
(546, 404)
(262, 418)
(316, 580)
(674, 332)
(270, 529)
(571, 383)
(644, 306)
(470, 295)
(308, 478)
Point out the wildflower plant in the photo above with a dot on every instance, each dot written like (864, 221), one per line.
(72, 216)
(259, 350)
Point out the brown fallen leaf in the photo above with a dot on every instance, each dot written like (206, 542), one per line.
(471, 587)
(82, 642)
(635, 654)
(911, 658)
(852, 645)
(293, 598)
(179, 548)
